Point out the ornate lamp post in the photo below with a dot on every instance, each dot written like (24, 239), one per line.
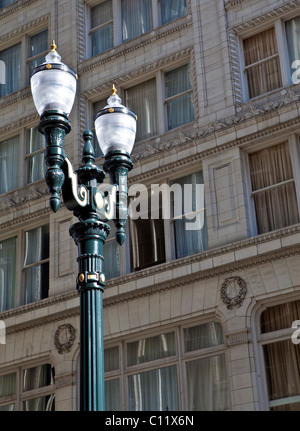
(53, 86)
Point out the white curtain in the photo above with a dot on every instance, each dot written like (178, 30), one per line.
(207, 384)
(102, 38)
(136, 18)
(178, 92)
(111, 255)
(153, 390)
(188, 241)
(7, 273)
(141, 99)
(12, 60)
(112, 395)
(172, 9)
(276, 207)
(36, 277)
(151, 349)
(7, 388)
(9, 164)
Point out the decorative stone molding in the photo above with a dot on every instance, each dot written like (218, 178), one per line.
(64, 338)
(233, 292)
(23, 122)
(23, 196)
(24, 219)
(16, 97)
(24, 28)
(15, 7)
(65, 380)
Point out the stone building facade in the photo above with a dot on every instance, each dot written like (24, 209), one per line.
(202, 319)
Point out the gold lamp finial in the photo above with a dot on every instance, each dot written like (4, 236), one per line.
(53, 46)
(114, 90)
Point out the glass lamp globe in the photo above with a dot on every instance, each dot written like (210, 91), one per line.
(115, 126)
(53, 84)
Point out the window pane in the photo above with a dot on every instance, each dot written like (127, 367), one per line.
(8, 250)
(10, 70)
(37, 377)
(111, 359)
(4, 3)
(275, 207)
(36, 276)
(282, 362)
(280, 317)
(172, 9)
(180, 110)
(292, 28)
(36, 245)
(202, 336)
(38, 43)
(8, 408)
(265, 76)
(136, 18)
(96, 108)
(150, 349)
(207, 384)
(102, 39)
(8, 385)
(191, 230)
(153, 390)
(112, 395)
(101, 13)
(141, 99)
(9, 164)
(35, 141)
(40, 404)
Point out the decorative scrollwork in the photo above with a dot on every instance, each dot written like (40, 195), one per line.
(233, 292)
(64, 338)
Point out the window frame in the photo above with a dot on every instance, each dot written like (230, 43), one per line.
(281, 40)
(293, 142)
(117, 22)
(24, 41)
(179, 359)
(20, 395)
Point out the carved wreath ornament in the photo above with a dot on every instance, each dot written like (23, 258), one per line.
(64, 338)
(233, 292)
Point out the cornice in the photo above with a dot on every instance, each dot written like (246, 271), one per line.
(16, 97)
(260, 19)
(24, 28)
(15, 7)
(91, 92)
(23, 196)
(217, 271)
(24, 219)
(22, 122)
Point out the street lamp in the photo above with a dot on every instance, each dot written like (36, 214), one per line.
(53, 86)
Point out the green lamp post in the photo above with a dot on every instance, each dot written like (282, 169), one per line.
(53, 86)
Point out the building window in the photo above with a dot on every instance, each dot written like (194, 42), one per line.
(8, 249)
(4, 3)
(12, 77)
(9, 164)
(271, 58)
(10, 59)
(142, 100)
(281, 358)
(158, 365)
(190, 228)
(114, 22)
(112, 255)
(102, 27)
(179, 97)
(28, 389)
(36, 264)
(262, 66)
(136, 18)
(37, 49)
(172, 9)
(35, 146)
(273, 188)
